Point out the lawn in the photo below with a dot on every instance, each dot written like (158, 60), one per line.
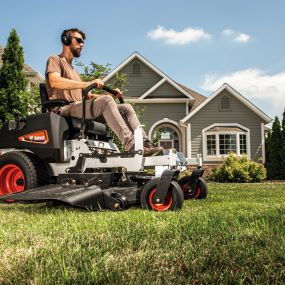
(235, 236)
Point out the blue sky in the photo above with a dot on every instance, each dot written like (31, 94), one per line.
(200, 44)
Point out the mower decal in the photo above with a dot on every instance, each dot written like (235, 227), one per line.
(40, 137)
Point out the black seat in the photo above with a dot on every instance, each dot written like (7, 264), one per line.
(93, 128)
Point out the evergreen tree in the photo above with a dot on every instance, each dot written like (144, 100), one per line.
(274, 166)
(267, 152)
(282, 149)
(13, 99)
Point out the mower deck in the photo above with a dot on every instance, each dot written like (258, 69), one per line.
(88, 197)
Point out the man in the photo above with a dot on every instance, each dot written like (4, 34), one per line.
(63, 82)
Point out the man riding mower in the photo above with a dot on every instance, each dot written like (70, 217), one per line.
(48, 157)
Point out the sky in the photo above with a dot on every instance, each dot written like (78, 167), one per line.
(200, 44)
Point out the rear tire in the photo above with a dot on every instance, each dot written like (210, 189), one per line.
(200, 192)
(174, 199)
(20, 171)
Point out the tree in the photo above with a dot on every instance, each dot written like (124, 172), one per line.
(282, 149)
(275, 145)
(268, 135)
(13, 98)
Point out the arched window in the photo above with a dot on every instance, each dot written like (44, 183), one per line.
(136, 69)
(167, 137)
(225, 103)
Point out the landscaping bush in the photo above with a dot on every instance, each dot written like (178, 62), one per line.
(238, 169)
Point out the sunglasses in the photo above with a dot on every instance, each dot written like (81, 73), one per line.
(79, 40)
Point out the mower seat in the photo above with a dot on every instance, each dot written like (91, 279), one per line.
(93, 128)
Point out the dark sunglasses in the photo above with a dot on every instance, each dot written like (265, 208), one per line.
(79, 40)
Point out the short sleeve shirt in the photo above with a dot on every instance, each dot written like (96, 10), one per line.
(59, 64)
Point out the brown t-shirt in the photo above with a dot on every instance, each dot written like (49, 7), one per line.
(59, 64)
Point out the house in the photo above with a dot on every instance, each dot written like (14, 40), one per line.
(33, 77)
(178, 117)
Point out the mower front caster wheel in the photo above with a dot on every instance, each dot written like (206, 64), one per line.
(200, 191)
(174, 199)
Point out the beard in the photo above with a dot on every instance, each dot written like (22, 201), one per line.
(75, 51)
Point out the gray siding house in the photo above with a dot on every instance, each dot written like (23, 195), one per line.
(178, 117)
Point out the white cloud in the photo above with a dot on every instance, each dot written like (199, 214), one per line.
(266, 90)
(228, 32)
(236, 36)
(242, 38)
(173, 37)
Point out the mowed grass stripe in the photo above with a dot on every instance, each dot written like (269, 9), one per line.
(235, 236)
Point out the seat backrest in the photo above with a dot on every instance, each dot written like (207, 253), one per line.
(43, 96)
(46, 103)
(93, 128)
(43, 92)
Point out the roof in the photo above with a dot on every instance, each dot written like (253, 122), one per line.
(27, 69)
(226, 129)
(165, 78)
(237, 95)
(199, 98)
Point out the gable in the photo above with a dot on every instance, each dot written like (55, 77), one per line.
(138, 84)
(241, 101)
(166, 90)
(142, 83)
(238, 113)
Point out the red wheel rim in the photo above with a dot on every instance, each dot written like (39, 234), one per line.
(12, 179)
(160, 207)
(190, 193)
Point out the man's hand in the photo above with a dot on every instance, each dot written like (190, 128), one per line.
(119, 95)
(90, 95)
(99, 83)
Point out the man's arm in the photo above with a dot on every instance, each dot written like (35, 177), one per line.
(58, 82)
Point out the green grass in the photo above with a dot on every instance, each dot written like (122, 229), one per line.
(235, 236)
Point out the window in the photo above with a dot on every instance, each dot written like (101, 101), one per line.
(136, 69)
(227, 144)
(167, 137)
(225, 103)
(242, 143)
(211, 145)
(220, 141)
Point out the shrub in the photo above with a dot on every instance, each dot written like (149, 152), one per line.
(238, 169)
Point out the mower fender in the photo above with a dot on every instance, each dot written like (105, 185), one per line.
(164, 183)
(194, 178)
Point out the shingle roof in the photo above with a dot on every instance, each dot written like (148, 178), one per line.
(199, 98)
(226, 129)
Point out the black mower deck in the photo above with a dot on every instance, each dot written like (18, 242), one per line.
(90, 197)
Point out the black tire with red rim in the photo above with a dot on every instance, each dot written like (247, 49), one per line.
(20, 171)
(174, 199)
(200, 192)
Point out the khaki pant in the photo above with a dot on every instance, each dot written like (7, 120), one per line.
(121, 118)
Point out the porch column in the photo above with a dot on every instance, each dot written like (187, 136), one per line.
(188, 140)
(263, 143)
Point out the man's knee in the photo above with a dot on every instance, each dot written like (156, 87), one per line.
(105, 100)
(126, 108)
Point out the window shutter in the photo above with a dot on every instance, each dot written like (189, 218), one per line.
(136, 69)
(225, 103)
